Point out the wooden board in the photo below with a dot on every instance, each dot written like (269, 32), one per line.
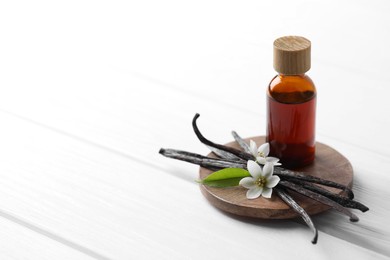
(329, 164)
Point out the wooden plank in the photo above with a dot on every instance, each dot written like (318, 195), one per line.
(19, 242)
(120, 208)
(140, 136)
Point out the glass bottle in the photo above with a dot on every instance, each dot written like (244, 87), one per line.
(291, 104)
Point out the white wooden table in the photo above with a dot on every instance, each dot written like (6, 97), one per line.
(90, 90)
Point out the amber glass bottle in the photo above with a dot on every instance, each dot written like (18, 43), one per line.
(291, 104)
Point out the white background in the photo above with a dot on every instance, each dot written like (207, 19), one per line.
(90, 90)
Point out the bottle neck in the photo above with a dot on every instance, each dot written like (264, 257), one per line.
(295, 75)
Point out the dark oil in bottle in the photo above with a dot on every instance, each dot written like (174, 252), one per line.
(291, 103)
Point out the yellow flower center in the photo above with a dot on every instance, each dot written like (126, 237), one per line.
(261, 182)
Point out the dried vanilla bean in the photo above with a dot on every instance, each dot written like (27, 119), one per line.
(243, 155)
(224, 155)
(300, 176)
(295, 206)
(295, 181)
(241, 142)
(346, 202)
(319, 198)
(206, 162)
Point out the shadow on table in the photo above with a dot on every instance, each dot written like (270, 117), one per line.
(332, 223)
(362, 233)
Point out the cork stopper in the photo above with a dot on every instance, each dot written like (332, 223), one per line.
(292, 55)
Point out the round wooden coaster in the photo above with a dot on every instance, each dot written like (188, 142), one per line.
(328, 164)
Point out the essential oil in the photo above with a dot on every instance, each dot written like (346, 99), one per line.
(291, 104)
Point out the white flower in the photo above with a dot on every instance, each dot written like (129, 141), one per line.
(261, 153)
(261, 182)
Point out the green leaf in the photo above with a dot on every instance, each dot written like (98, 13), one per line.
(227, 177)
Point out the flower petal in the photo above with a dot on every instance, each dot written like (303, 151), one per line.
(267, 193)
(264, 148)
(268, 169)
(253, 147)
(272, 159)
(272, 181)
(261, 160)
(254, 193)
(247, 182)
(254, 169)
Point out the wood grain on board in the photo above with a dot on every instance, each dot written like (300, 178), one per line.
(328, 164)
